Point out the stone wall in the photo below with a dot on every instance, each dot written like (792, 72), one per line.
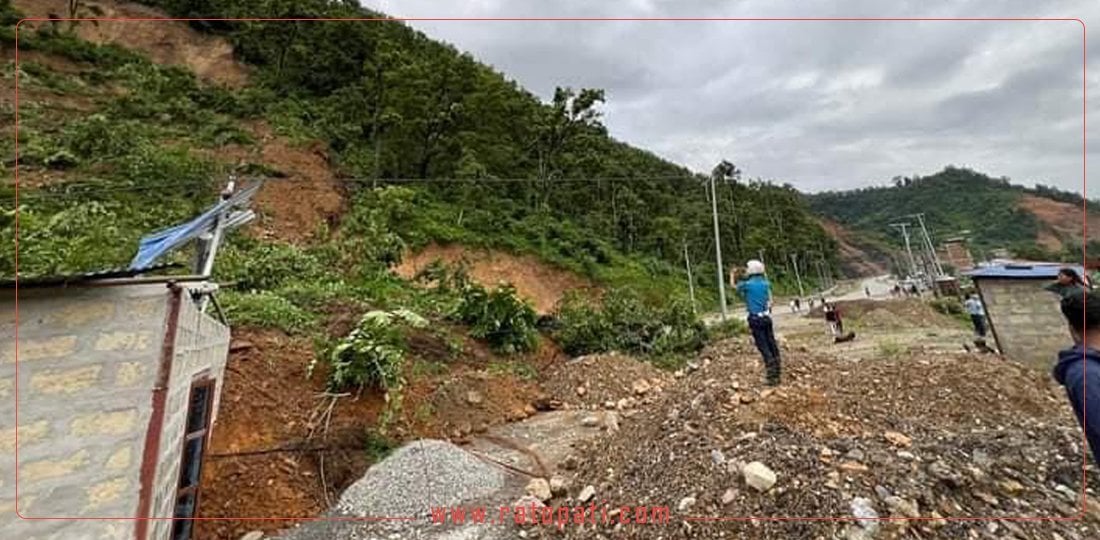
(87, 360)
(1027, 320)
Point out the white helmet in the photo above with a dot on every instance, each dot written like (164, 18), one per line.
(754, 267)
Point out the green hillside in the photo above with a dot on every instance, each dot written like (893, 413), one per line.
(954, 200)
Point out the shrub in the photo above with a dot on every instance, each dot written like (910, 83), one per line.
(499, 317)
(265, 309)
(623, 321)
(373, 353)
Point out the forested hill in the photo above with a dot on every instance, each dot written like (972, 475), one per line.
(393, 103)
(1038, 223)
(483, 160)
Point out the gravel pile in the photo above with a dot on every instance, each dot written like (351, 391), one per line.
(418, 476)
(870, 443)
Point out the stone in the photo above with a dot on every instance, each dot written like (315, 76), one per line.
(901, 507)
(538, 488)
(641, 387)
(611, 422)
(587, 493)
(853, 466)
(590, 421)
(882, 492)
(685, 504)
(254, 535)
(759, 476)
(1011, 487)
(746, 398)
(729, 496)
(558, 485)
(473, 397)
(980, 458)
(906, 455)
(937, 520)
(625, 403)
(717, 457)
(609, 405)
(864, 510)
(581, 391)
(855, 454)
(897, 439)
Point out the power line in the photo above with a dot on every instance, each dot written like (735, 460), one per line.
(77, 192)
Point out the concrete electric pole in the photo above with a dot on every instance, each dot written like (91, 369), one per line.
(908, 248)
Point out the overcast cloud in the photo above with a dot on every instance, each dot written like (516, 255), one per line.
(822, 105)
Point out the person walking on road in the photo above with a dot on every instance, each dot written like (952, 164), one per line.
(977, 314)
(757, 294)
(1082, 313)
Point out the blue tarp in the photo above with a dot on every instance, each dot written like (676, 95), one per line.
(155, 245)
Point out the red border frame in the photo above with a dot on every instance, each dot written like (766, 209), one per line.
(688, 518)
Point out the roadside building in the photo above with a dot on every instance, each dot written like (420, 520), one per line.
(114, 381)
(1024, 318)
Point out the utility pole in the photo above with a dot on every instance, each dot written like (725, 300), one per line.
(933, 258)
(797, 276)
(691, 282)
(908, 248)
(718, 243)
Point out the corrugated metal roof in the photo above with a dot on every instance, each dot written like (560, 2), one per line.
(1021, 271)
(68, 280)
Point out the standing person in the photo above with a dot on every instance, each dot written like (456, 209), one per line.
(794, 308)
(867, 291)
(1082, 312)
(977, 314)
(757, 294)
(797, 304)
(1068, 283)
(831, 320)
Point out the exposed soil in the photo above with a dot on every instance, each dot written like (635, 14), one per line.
(1063, 219)
(855, 260)
(166, 42)
(534, 280)
(896, 313)
(304, 197)
(604, 378)
(268, 403)
(269, 408)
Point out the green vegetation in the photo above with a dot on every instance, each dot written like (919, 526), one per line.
(953, 200)
(498, 317)
(373, 353)
(623, 321)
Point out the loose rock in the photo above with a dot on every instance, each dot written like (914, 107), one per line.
(759, 476)
(539, 488)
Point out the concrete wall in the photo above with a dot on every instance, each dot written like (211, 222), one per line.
(200, 348)
(1027, 320)
(87, 361)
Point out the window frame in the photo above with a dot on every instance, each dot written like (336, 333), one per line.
(201, 380)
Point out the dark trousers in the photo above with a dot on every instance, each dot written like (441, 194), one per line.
(764, 336)
(979, 324)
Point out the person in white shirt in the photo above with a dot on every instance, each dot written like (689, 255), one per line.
(977, 314)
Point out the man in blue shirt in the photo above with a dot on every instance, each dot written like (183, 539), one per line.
(757, 294)
(1078, 368)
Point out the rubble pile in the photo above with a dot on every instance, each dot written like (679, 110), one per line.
(898, 448)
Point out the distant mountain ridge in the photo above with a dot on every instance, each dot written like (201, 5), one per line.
(1036, 223)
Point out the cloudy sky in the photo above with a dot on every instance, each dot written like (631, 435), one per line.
(820, 104)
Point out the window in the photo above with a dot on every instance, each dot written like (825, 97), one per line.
(199, 409)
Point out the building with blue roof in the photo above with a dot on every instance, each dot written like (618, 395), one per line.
(1025, 319)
